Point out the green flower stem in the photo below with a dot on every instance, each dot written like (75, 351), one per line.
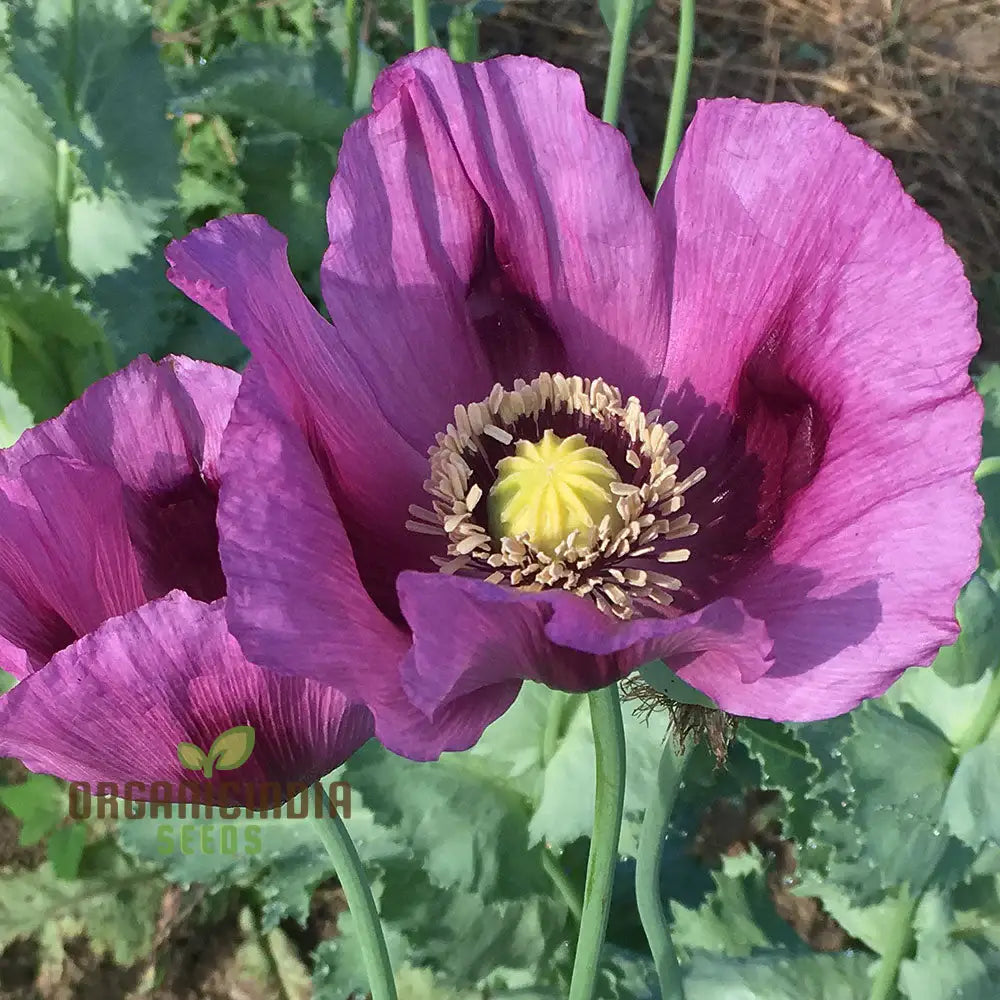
(562, 708)
(64, 195)
(609, 747)
(619, 57)
(678, 92)
(351, 875)
(562, 883)
(421, 25)
(899, 940)
(647, 871)
(352, 26)
(984, 720)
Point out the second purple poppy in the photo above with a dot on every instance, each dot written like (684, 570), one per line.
(555, 431)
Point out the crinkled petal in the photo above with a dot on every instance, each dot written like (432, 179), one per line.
(66, 559)
(115, 705)
(803, 272)
(295, 599)
(296, 602)
(561, 640)
(495, 228)
(159, 428)
(238, 269)
(851, 608)
(153, 423)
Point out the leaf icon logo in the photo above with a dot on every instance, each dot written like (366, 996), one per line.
(228, 751)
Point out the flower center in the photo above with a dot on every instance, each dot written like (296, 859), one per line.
(548, 489)
(582, 494)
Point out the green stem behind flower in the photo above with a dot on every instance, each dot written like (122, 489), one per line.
(609, 748)
(352, 27)
(619, 58)
(678, 92)
(899, 938)
(984, 720)
(647, 871)
(364, 913)
(563, 885)
(421, 25)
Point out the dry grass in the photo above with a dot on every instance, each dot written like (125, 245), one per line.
(921, 83)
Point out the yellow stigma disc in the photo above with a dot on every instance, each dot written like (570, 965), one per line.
(550, 488)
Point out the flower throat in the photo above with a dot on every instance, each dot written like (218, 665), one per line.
(558, 483)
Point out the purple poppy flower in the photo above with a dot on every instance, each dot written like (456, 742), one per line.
(475, 474)
(112, 609)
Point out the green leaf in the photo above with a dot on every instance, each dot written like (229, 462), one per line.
(288, 182)
(972, 805)
(282, 857)
(975, 651)
(27, 167)
(114, 908)
(272, 86)
(107, 230)
(625, 975)
(54, 344)
(470, 830)
(370, 63)
(65, 849)
(200, 335)
(7, 681)
(565, 810)
(900, 769)
(779, 977)
(39, 803)
(739, 918)
(147, 315)
(786, 766)
(232, 748)
(871, 924)
(15, 417)
(950, 972)
(950, 694)
(98, 76)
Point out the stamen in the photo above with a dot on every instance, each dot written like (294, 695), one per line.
(598, 562)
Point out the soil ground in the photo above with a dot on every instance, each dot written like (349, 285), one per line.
(918, 79)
